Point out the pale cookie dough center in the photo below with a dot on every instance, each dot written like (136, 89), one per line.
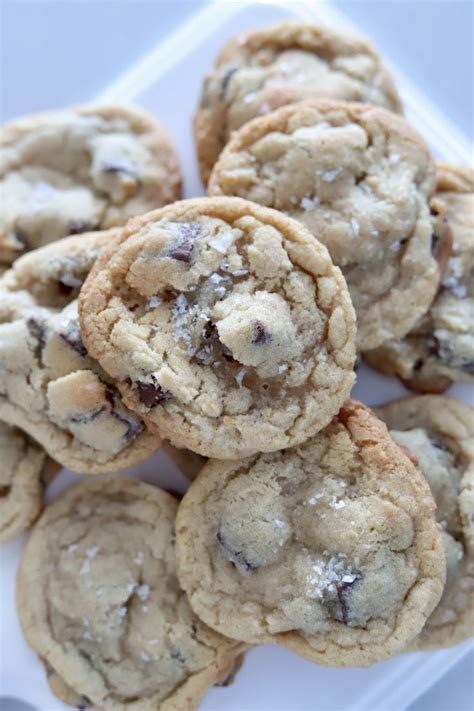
(256, 328)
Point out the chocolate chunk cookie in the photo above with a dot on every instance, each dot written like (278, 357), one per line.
(359, 178)
(440, 348)
(79, 170)
(330, 549)
(108, 618)
(258, 72)
(225, 325)
(439, 433)
(24, 471)
(49, 385)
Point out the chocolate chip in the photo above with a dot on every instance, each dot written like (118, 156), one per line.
(151, 395)
(418, 364)
(114, 169)
(237, 558)
(225, 82)
(4, 491)
(261, 334)
(341, 589)
(183, 249)
(73, 339)
(65, 289)
(37, 331)
(76, 227)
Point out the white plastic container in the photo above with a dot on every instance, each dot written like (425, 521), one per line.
(167, 82)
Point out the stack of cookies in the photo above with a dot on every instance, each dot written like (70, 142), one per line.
(224, 330)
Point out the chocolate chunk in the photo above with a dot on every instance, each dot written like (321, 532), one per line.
(76, 227)
(114, 169)
(4, 491)
(237, 558)
(83, 418)
(151, 395)
(134, 426)
(418, 364)
(37, 331)
(183, 249)
(261, 334)
(73, 338)
(342, 592)
(225, 82)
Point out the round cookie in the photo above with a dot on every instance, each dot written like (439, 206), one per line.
(330, 549)
(438, 431)
(439, 350)
(108, 618)
(258, 72)
(24, 471)
(225, 325)
(359, 178)
(49, 385)
(78, 170)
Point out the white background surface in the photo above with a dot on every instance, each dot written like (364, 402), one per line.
(58, 52)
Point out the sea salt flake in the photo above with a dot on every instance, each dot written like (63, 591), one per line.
(348, 578)
(282, 368)
(395, 247)
(264, 108)
(215, 278)
(248, 98)
(153, 641)
(139, 558)
(87, 635)
(122, 611)
(220, 290)
(145, 608)
(131, 587)
(73, 547)
(92, 552)
(154, 302)
(355, 227)
(85, 568)
(330, 175)
(239, 377)
(222, 242)
(280, 524)
(335, 504)
(393, 158)
(460, 555)
(143, 592)
(143, 655)
(309, 203)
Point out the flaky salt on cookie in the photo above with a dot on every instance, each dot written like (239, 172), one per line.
(438, 432)
(359, 178)
(82, 169)
(439, 350)
(260, 71)
(50, 387)
(224, 324)
(25, 469)
(330, 549)
(107, 617)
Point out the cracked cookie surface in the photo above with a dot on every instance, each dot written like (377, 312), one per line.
(258, 72)
(439, 433)
(440, 349)
(49, 385)
(108, 618)
(79, 170)
(330, 548)
(359, 178)
(225, 325)
(24, 471)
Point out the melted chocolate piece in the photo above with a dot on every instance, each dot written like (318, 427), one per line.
(340, 589)
(418, 364)
(237, 558)
(73, 338)
(225, 82)
(183, 249)
(76, 227)
(84, 418)
(37, 331)
(261, 334)
(151, 395)
(134, 427)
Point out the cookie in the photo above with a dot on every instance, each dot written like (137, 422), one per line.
(439, 350)
(24, 471)
(258, 72)
(189, 463)
(225, 325)
(359, 178)
(108, 618)
(438, 431)
(79, 170)
(330, 549)
(49, 385)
